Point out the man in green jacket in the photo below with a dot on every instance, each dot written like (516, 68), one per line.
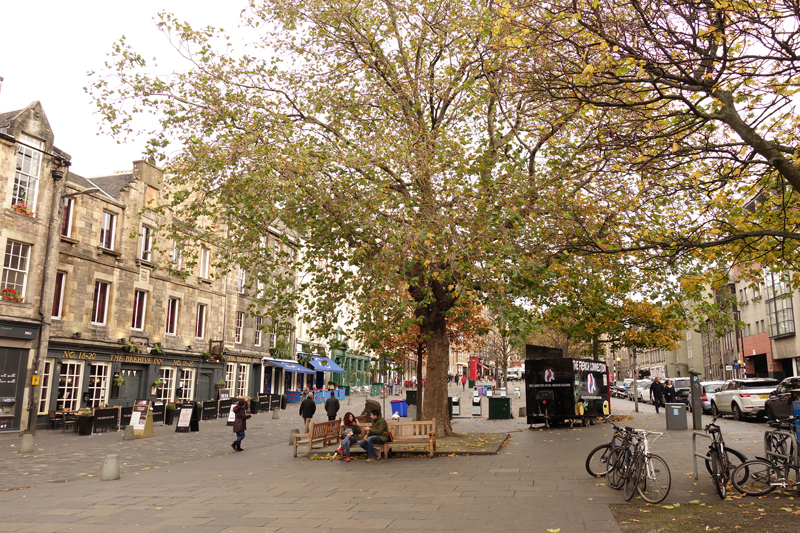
(378, 433)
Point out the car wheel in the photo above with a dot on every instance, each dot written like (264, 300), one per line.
(770, 414)
(715, 411)
(737, 413)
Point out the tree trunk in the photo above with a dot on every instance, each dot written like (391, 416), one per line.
(420, 384)
(438, 354)
(595, 348)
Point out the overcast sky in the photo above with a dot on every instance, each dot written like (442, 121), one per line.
(50, 45)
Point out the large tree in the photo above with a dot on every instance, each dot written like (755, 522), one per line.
(369, 127)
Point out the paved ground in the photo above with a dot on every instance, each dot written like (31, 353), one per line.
(194, 482)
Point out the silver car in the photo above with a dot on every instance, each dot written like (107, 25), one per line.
(710, 389)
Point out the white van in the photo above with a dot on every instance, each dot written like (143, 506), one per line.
(516, 373)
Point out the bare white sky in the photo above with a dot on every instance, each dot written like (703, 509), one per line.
(48, 46)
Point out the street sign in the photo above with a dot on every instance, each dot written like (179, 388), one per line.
(728, 367)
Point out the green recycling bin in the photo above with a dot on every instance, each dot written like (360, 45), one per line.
(499, 408)
(411, 397)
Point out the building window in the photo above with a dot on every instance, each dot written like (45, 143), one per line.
(177, 256)
(15, 267)
(780, 311)
(98, 385)
(239, 323)
(242, 381)
(173, 305)
(146, 248)
(58, 294)
(200, 322)
(259, 287)
(100, 303)
(47, 378)
(165, 392)
(257, 336)
(107, 227)
(139, 306)
(230, 375)
(69, 386)
(205, 258)
(186, 390)
(26, 179)
(689, 354)
(240, 281)
(66, 217)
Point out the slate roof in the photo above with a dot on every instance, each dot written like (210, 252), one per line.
(113, 185)
(80, 181)
(5, 118)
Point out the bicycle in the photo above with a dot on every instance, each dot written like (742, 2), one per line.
(718, 460)
(765, 474)
(597, 464)
(648, 474)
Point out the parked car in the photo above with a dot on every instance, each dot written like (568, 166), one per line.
(627, 383)
(779, 403)
(710, 389)
(743, 398)
(682, 388)
(642, 390)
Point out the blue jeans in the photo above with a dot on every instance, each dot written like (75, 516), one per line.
(239, 437)
(346, 443)
(369, 445)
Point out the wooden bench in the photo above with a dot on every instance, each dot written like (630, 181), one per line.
(323, 434)
(411, 432)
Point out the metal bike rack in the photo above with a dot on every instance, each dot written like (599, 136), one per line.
(794, 458)
(696, 434)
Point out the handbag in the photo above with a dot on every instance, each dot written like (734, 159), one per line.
(391, 438)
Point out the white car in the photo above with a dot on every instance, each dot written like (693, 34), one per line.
(642, 389)
(743, 398)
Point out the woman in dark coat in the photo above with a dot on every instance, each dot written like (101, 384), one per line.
(670, 396)
(239, 425)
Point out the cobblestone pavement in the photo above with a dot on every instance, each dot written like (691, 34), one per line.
(195, 482)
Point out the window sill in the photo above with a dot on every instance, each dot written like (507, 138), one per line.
(206, 281)
(148, 264)
(69, 240)
(110, 252)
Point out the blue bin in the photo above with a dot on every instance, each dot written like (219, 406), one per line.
(399, 407)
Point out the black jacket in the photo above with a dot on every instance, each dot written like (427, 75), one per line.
(308, 408)
(657, 390)
(331, 406)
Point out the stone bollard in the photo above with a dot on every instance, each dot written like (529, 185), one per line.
(349, 400)
(110, 467)
(523, 412)
(27, 444)
(291, 433)
(128, 433)
(276, 414)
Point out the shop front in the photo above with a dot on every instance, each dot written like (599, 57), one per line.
(16, 349)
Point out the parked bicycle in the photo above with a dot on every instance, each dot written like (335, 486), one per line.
(597, 460)
(722, 461)
(765, 474)
(648, 474)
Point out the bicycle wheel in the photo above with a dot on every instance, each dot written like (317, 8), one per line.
(656, 479)
(762, 478)
(778, 444)
(616, 468)
(735, 458)
(597, 461)
(633, 474)
(717, 475)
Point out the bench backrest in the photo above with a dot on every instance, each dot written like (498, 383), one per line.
(323, 429)
(408, 429)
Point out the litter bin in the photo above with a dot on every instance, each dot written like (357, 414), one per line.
(400, 407)
(450, 407)
(411, 397)
(455, 402)
(499, 408)
(676, 416)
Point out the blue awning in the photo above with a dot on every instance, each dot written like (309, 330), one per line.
(291, 366)
(325, 364)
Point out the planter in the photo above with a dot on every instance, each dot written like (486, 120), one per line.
(283, 402)
(169, 416)
(23, 212)
(85, 425)
(253, 407)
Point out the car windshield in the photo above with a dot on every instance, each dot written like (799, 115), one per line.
(712, 388)
(758, 384)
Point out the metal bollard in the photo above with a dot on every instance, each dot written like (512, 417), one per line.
(27, 444)
(111, 467)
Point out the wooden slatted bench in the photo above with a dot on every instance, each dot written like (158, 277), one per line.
(411, 432)
(323, 434)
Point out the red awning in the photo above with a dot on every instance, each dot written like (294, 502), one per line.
(484, 366)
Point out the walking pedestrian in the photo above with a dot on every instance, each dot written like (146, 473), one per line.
(307, 410)
(239, 424)
(463, 383)
(378, 433)
(670, 395)
(332, 406)
(657, 393)
(350, 432)
(371, 405)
